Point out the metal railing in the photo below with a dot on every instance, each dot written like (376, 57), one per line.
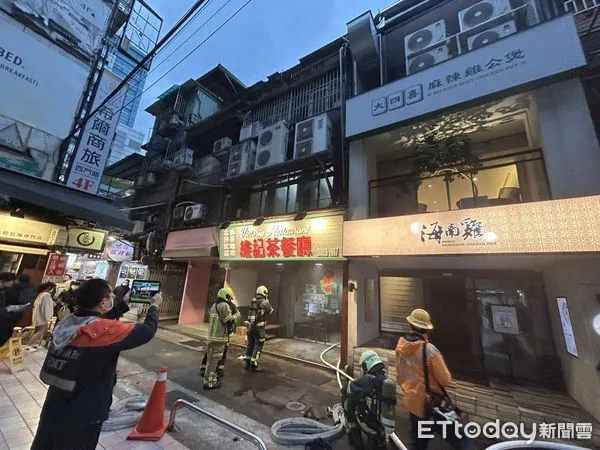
(249, 436)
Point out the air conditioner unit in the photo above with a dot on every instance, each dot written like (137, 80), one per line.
(250, 131)
(221, 144)
(195, 212)
(178, 213)
(272, 145)
(312, 136)
(241, 158)
(482, 12)
(491, 35)
(207, 164)
(425, 37)
(183, 158)
(427, 59)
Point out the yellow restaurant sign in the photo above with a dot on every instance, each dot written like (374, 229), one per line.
(283, 239)
(555, 226)
(15, 229)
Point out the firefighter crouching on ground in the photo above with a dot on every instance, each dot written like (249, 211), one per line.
(260, 308)
(221, 321)
(411, 376)
(230, 330)
(369, 404)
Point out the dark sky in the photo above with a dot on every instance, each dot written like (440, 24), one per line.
(265, 37)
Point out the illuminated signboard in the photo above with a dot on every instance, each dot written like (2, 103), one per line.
(277, 240)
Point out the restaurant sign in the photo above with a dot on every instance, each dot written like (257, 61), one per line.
(504, 64)
(315, 238)
(554, 226)
(468, 231)
(86, 239)
(15, 229)
(119, 251)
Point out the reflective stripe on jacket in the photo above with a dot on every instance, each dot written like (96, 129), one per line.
(220, 314)
(410, 375)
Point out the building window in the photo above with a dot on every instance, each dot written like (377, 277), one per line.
(501, 181)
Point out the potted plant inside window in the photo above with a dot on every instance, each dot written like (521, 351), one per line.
(450, 157)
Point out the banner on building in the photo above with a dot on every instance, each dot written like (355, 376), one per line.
(314, 238)
(56, 267)
(32, 91)
(86, 239)
(95, 141)
(76, 24)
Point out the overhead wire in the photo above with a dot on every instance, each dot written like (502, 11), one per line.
(153, 69)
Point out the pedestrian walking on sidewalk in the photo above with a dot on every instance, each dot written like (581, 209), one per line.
(260, 309)
(221, 324)
(80, 368)
(43, 310)
(424, 377)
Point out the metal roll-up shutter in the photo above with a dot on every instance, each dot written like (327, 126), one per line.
(399, 296)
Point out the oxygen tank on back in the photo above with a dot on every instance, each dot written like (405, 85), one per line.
(388, 407)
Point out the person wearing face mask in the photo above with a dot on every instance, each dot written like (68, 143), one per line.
(68, 298)
(121, 306)
(80, 368)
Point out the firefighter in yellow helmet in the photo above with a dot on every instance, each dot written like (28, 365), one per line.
(260, 308)
(223, 315)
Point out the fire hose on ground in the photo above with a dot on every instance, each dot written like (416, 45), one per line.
(125, 413)
(300, 430)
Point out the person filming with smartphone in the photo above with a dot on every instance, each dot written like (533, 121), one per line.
(80, 368)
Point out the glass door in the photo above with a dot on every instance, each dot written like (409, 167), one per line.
(515, 332)
(317, 308)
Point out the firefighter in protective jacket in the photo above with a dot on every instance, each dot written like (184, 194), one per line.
(260, 308)
(221, 323)
(363, 402)
(230, 330)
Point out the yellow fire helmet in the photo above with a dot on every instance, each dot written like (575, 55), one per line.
(262, 291)
(420, 319)
(225, 293)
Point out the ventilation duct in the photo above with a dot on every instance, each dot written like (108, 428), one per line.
(362, 36)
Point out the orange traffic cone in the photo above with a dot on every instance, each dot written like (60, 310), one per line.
(152, 426)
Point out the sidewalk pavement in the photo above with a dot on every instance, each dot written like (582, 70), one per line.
(22, 396)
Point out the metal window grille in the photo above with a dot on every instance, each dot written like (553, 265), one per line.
(300, 103)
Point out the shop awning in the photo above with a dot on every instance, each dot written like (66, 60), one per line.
(191, 244)
(59, 198)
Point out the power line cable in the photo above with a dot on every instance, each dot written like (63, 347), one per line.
(189, 37)
(188, 23)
